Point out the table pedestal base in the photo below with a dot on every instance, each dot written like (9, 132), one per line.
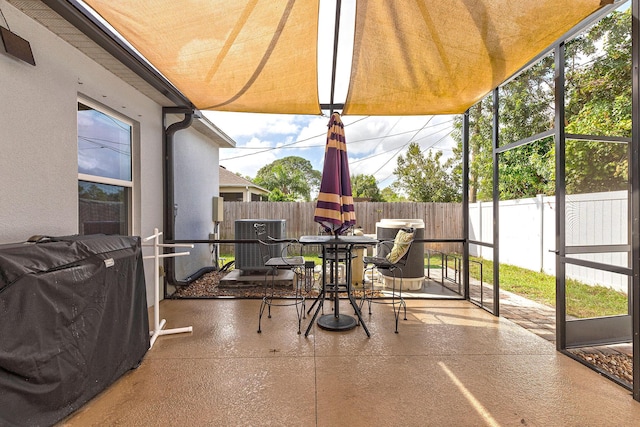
(340, 323)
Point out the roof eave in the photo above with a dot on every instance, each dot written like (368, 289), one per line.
(206, 127)
(78, 16)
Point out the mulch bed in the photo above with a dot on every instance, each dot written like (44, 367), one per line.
(208, 286)
(616, 363)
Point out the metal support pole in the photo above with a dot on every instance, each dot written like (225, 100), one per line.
(561, 321)
(336, 34)
(496, 205)
(465, 203)
(634, 176)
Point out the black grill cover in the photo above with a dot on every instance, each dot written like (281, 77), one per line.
(73, 319)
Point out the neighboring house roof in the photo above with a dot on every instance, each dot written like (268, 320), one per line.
(230, 179)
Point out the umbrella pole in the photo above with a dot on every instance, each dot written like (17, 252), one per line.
(336, 276)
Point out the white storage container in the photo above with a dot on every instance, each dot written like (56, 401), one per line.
(413, 271)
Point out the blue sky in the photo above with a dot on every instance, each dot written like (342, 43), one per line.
(373, 142)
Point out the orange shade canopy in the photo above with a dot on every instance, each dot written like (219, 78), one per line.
(410, 57)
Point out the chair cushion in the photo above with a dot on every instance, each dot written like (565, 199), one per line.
(401, 245)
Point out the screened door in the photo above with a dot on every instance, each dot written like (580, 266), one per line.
(594, 264)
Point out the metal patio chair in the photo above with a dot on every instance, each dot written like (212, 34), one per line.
(397, 252)
(275, 263)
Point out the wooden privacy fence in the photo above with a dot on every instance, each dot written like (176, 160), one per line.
(441, 220)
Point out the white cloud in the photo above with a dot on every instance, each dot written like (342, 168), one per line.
(244, 161)
(373, 143)
(326, 23)
(239, 125)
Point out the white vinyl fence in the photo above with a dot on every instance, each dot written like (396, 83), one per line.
(528, 233)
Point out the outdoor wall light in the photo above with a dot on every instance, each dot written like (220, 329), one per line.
(16, 46)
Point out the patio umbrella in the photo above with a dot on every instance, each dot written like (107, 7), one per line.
(334, 210)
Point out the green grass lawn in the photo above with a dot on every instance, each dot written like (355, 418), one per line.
(583, 301)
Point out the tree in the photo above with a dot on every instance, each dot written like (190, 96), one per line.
(481, 152)
(526, 109)
(96, 192)
(599, 103)
(277, 196)
(365, 186)
(424, 179)
(292, 176)
(389, 195)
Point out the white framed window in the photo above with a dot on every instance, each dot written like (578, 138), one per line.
(105, 182)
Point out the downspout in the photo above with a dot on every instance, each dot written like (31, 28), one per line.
(169, 217)
(169, 222)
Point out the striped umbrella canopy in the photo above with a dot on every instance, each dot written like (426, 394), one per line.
(334, 210)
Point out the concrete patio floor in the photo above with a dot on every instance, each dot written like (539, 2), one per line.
(452, 364)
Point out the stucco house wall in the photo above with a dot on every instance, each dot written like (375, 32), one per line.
(196, 184)
(38, 147)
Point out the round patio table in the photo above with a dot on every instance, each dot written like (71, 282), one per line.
(337, 321)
